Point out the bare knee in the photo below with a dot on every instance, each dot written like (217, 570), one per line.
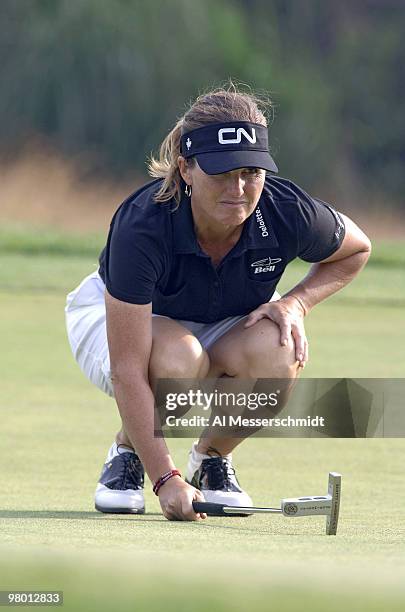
(178, 356)
(255, 352)
(262, 355)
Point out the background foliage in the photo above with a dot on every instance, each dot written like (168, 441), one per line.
(109, 77)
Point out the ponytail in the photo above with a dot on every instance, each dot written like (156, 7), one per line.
(166, 166)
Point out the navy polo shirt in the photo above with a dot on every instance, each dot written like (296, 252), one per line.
(152, 253)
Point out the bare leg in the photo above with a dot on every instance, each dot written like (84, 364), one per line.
(249, 354)
(176, 353)
(122, 438)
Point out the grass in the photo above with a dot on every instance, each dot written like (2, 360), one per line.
(56, 429)
(45, 241)
(38, 240)
(146, 582)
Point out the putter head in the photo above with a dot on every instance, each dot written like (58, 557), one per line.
(334, 490)
(317, 504)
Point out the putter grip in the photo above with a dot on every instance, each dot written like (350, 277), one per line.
(209, 508)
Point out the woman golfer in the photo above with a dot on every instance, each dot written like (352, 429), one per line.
(186, 289)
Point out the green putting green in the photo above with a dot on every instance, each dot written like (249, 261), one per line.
(56, 429)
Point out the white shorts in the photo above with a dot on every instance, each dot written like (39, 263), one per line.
(87, 333)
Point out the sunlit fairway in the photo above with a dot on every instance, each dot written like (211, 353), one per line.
(56, 429)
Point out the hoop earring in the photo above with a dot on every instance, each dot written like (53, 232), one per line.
(187, 191)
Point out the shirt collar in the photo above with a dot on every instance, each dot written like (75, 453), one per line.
(257, 233)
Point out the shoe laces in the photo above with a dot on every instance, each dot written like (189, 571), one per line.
(218, 472)
(132, 474)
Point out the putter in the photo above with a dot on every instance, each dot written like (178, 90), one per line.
(291, 507)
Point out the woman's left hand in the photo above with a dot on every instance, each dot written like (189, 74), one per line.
(288, 314)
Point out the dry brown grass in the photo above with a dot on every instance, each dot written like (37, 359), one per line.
(43, 189)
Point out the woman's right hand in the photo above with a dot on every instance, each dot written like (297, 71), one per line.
(176, 497)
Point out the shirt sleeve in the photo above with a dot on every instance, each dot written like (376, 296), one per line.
(133, 259)
(320, 229)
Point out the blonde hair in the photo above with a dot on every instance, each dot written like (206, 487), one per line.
(219, 105)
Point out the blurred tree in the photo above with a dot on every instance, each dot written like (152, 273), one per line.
(110, 77)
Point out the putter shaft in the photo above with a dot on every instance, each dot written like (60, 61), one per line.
(224, 510)
(251, 510)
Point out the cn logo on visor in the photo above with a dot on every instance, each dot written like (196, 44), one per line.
(239, 133)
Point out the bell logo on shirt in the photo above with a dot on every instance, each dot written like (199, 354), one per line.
(265, 265)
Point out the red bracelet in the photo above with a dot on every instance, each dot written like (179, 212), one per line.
(164, 479)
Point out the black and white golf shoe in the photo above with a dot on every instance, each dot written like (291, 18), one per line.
(120, 488)
(215, 476)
